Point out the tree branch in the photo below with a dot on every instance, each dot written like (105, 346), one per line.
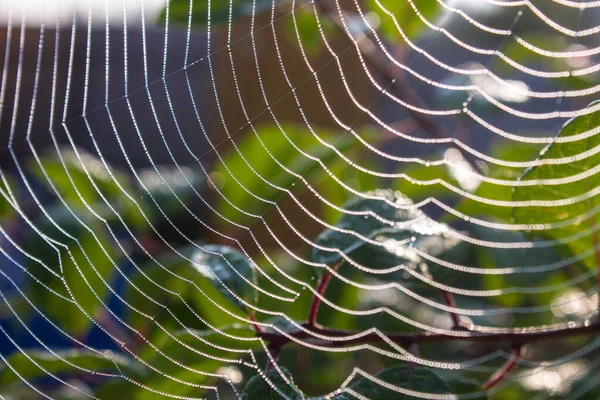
(516, 337)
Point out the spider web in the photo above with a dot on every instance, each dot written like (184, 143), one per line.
(120, 105)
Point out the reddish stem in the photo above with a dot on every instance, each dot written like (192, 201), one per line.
(321, 287)
(257, 328)
(508, 366)
(517, 337)
(450, 302)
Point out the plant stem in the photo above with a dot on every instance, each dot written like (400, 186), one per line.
(504, 370)
(321, 287)
(257, 328)
(516, 337)
(450, 302)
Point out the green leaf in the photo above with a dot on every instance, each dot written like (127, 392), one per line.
(168, 180)
(177, 274)
(257, 387)
(308, 29)
(204, 351)
(75, 187)
(495, 258)
(406, 377)
(219, 11)
(66, 219)
(408, 20)
(258, 161)
(521, 54)
(76, 167)
(90, 255)
(536, 215)
(461, 385)
(514, 153)
(282, 324)
(6, 187)
(83, 266)
(358, 180)
(365, 225)
(79, 359)
(230, 272)
(398, 241)
(417, 192)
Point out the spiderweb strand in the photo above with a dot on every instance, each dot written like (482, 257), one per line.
(168, 113)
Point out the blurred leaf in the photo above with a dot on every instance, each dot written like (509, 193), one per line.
(282, 324)
(219, 11)
(308, 29)
(257, 387)
(67, 221)
(459, 174)
(513, 152)
(260, 162)
(397, 242)
(168, 184)
(365, 225)
(461, 385)
(107, 183)
(417, 192)
(179, 344)
(83, 266)
(406, 377)
(88, 255)
(81, 358)
(76, 167)
(201, 351)
(408, 20)
(229, 271)
(177, 275)
(520, 257)
(495, 258)
(353, 177)
(7, 187)
(537, 215)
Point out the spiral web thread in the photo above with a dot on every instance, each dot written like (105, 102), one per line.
(551, 107)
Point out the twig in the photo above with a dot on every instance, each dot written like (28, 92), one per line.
(516, 337)
(257, 328)
(450, 302)
(321, 287)
(508, 366)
